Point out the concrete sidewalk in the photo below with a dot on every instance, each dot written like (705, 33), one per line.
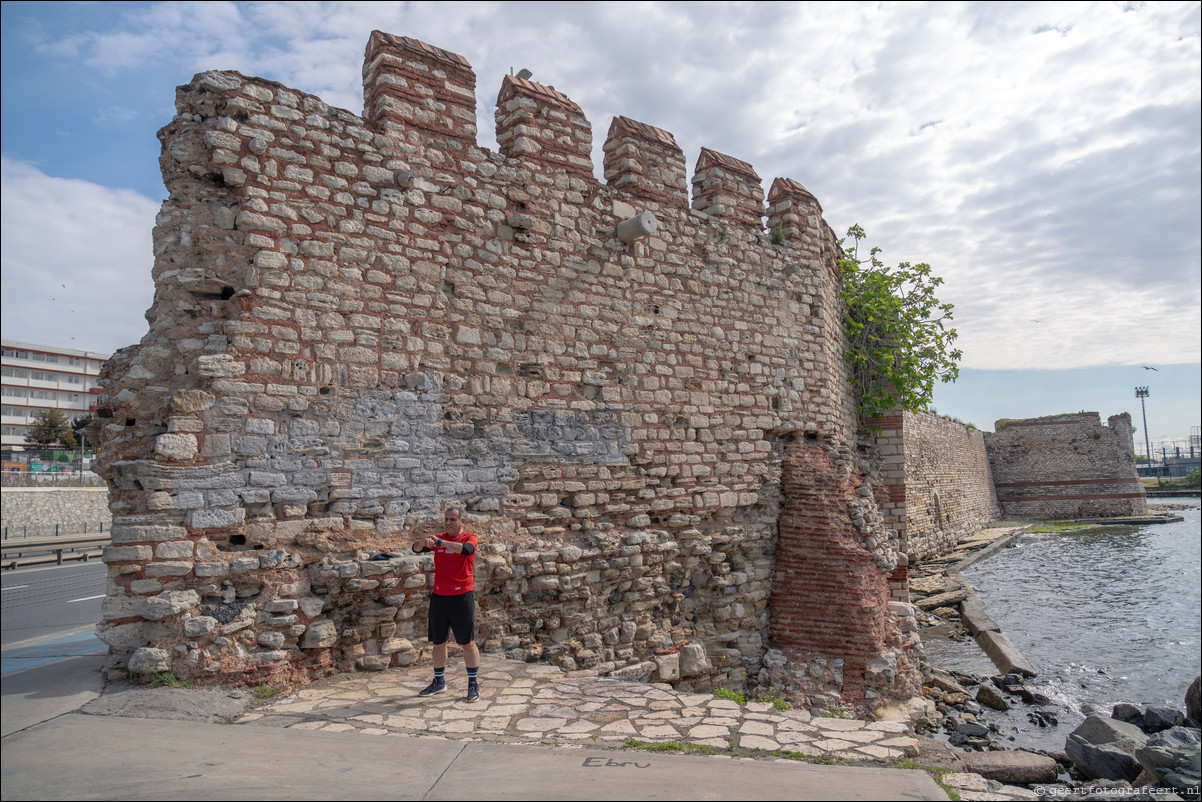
(101, 757)
(53, 751)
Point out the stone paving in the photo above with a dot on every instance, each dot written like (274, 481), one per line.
(534, 703)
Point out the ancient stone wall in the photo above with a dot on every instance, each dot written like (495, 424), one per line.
(1065, 466)
(361, 320)
(939, 486)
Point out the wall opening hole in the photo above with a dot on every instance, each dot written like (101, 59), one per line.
(237, 540)
(811, 435)
(227, 293)
(130, 422)
(324, 391)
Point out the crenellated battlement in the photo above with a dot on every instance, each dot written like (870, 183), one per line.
(792, 207)
(538, 124)
(646, 163)
(422, 94)
(726, 187)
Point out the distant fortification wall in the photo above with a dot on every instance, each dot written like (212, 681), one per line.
(1065, 466)
(938, 482)
(361, 320)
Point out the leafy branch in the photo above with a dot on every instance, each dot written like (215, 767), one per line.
(898, 339)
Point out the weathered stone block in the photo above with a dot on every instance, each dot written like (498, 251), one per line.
(168, 603)
(320, 634)
(148, 660)
(199, 625)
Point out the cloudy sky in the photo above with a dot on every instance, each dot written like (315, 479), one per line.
(1043, 158)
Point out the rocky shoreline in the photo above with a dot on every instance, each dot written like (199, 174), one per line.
(1137, 753)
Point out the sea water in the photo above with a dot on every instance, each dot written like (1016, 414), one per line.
(1108, 615)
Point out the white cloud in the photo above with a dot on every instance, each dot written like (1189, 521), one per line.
(75, 259)
(1060, 183)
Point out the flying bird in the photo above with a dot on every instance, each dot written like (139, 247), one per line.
(1146, 367)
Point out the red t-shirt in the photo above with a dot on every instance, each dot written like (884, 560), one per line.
(454, 573)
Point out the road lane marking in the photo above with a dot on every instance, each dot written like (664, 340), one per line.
(14, 587)
(87, 598)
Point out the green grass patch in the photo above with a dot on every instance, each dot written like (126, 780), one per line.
(1048, 527)
(727, 693)
(774, 696)
(836, 712)
(266, 691)
(675, 747)
(165, 679)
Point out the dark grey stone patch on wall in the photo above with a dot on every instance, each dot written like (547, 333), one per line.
(596, 436)
(406, 453)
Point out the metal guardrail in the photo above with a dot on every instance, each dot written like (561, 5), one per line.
(42, 551)
(65, 480)
(24, 531)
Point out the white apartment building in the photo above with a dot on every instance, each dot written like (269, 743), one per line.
(39, 377)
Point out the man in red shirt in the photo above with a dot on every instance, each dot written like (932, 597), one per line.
(452, 604)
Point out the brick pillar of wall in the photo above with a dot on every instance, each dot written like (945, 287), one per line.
(828, 595)
(892, 449)
(419, 93)
(726, 187)
(537, 123)
(645, 162)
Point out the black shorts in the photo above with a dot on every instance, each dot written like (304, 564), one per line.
(457, 613)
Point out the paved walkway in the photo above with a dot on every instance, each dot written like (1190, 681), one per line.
(532, 703)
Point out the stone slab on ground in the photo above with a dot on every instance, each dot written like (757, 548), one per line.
(531, 703)
(183, 704)
(973, 616)
(1012, 767)
(1004, 654)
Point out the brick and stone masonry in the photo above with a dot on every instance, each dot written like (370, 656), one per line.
(640, 402)
(936, 480)
(1065, 466)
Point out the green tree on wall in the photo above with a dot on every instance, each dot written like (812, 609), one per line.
(898, 340)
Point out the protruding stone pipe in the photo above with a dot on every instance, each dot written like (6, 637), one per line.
(637, 227)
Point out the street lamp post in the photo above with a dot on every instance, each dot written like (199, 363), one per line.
(1141, 393)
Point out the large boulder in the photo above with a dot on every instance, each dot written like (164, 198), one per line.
(1193, 701)
(1132, 714)
(1104, 748)
(1173, 757)
(1012, 767)
(1161, 718)
(149, 661)
(991, 697)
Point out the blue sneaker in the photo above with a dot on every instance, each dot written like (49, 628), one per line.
(437, 686)
(473, 692)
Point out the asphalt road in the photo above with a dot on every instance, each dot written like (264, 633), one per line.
(49, 614)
